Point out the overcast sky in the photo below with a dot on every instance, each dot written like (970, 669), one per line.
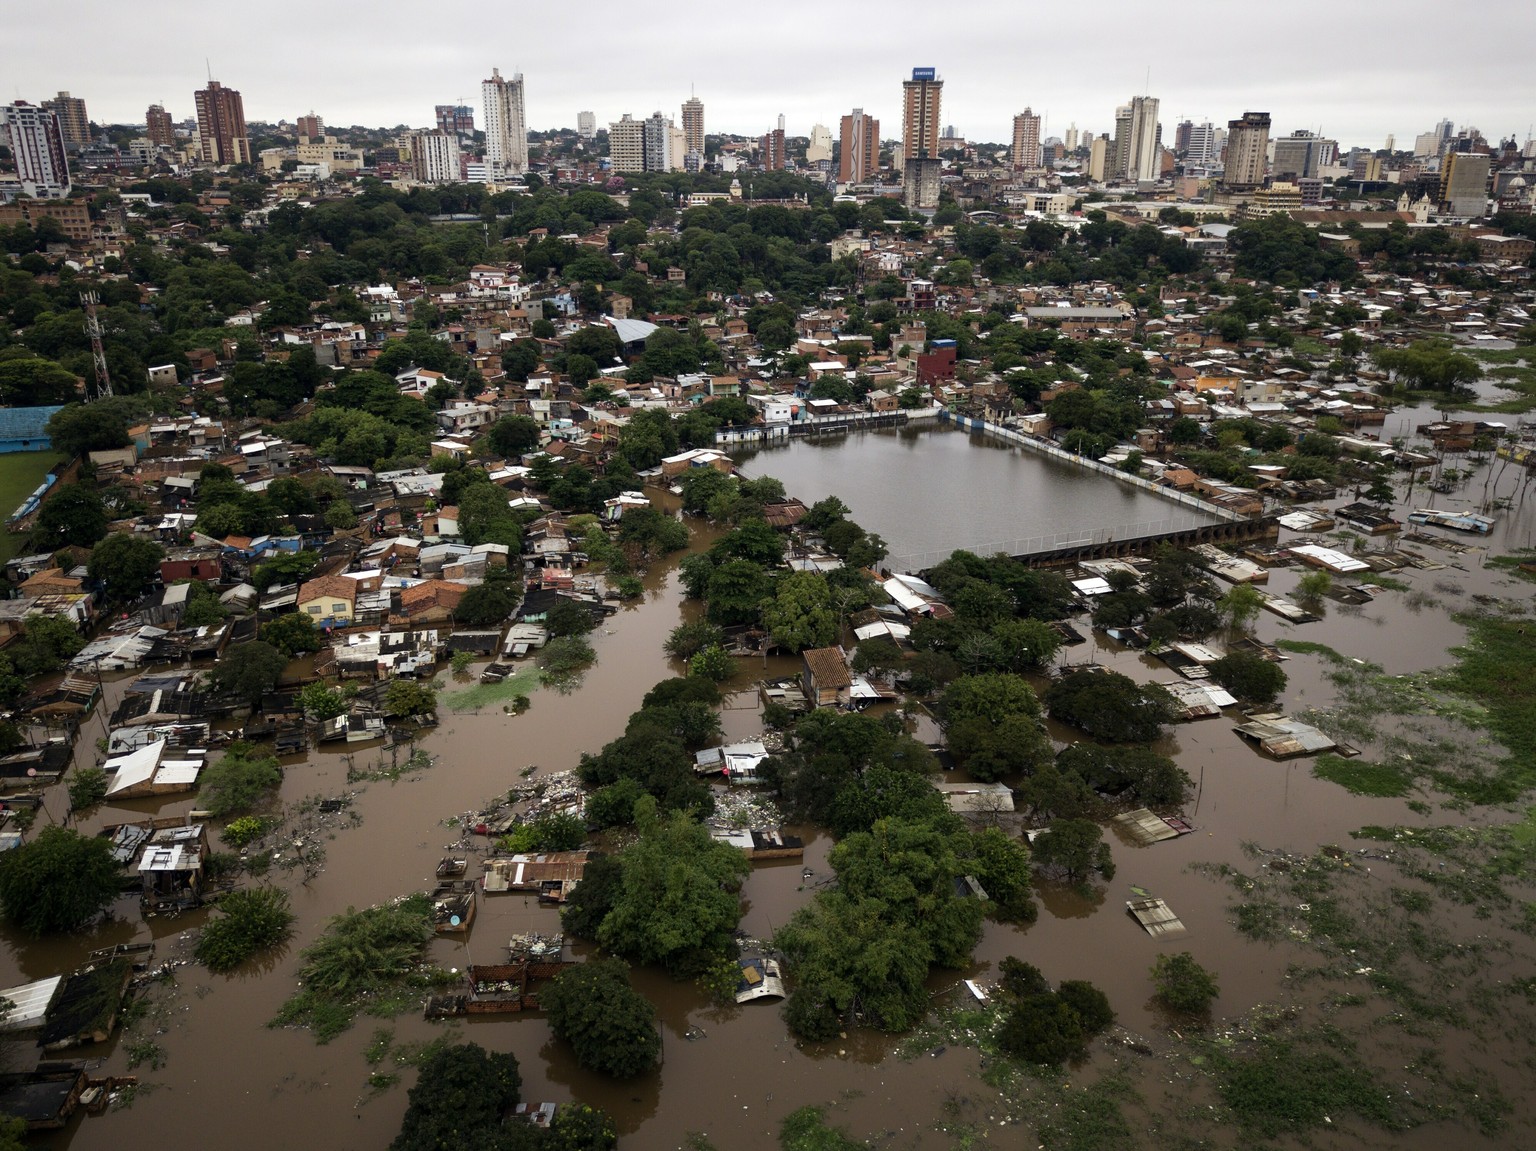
(1357, 69)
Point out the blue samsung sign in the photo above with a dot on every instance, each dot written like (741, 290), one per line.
(925, 73)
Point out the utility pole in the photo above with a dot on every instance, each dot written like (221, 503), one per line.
(98, 354)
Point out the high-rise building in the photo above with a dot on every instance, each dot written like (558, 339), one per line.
(1181, 137)
(1098, 157)
(1464, 183)
(658, 143)
(159, 127)
(860, 151)
(586, 125)
(820, 147)
(920, 98)
(435, 157)
(693, 125)
(1301, 155)
(221, 125)
(311, 126)
(772, 148)
(37, 144)
(626, 144)
(920, 183)
(458, 119)
(1070, 140)
(1247, 151)
(506, 125)
(677, 149)
(74, 124)
(1201, 143)
(1136, 142)
(1026, 140)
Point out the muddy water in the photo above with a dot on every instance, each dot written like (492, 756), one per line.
(935, 489)
(733, 1073)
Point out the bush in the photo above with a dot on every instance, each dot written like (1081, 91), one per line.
(713, 663)
(239, 781)
(563, 659)
(1252, 678)
(249, 922)
(246, 830)
(461, 1098)
(1183, 984)
(87, 787)
(1044, 1026)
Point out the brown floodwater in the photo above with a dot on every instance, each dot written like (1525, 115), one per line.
(734, 1073)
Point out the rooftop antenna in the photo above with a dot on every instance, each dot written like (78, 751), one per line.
(1147, 91)
(208, 65)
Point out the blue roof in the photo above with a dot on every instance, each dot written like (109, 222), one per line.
(26, 424)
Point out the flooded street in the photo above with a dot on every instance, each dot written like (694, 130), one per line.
(735, 1073)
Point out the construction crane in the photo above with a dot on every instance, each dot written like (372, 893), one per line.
(88, 301)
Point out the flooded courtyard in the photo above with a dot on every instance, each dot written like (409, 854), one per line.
(224, 1078)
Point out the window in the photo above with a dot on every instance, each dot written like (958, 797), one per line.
(338, 608)
(313, 610)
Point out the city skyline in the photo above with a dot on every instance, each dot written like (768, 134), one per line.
(399, 80)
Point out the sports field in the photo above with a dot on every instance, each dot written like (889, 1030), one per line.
(20, 472)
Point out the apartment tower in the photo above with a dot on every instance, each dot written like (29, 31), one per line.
(693, 125)
(221, 125)
(626, 144)
(920, 98)
(159, 127)
(1026, 140)
(74, 124)
(37, 144)
(586, 125)
(860, 151)
(1247, 150)
(506, 125)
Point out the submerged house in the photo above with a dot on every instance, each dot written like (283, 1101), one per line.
(171, 867)
(155, 769)
(828, 682)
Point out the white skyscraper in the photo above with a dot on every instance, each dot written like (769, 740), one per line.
(820, 147)
(586, 125)
(435, 157)
(37, 143)
(1203, 146)
(1141, 154)
(506, 125)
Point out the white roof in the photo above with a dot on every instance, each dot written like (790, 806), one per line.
(1333, 560)
(134, 768)
(629, 331)
(29, 1003)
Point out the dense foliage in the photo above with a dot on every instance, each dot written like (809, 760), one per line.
(610, 1026)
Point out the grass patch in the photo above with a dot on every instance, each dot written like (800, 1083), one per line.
(1511, 564)
(1363, 778)
(1391, 583)
(1503, 355)
(487, 695)
(1308, 346)
(1307, 647)
(1498, 669)
(1292, 1084)
(20, 473)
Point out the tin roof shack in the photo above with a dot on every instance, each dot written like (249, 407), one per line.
(505, 988)
(45, 1097)
(29, 1004)
(87, 1005)
(977, 798)
(828, 682)
(453, 906)
(171, 867)
(737, 762)
(551, 875)
(155, 769)
(1281, 737)
(761, 843)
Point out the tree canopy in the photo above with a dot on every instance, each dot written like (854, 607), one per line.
(57, 881)
(610, 1026)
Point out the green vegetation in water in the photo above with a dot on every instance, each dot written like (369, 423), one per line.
(1307, 647)
(368, 961)
(1497, 669)
(246, 924)
(503, 694)
(1511, 564)
(1363, 777)
(1391, 583)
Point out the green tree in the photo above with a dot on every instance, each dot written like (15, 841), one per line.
(292, 633)
(1241, 605)
(1111, 706)
(76, 429)
(610, 1026)
(800, 614)
(512, 436)
(321, 702)
(74, 516)
(680, 900)
(407, 699)
(1252, 678)
(713, 663)
(1183, 984)
(126, 563)
(579, 1127)
(239, 781)
(57, 882)
(687, 639)
(284, 568)
(487, 603)
(461, 1098)
(1075, 848)
(249, 670)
